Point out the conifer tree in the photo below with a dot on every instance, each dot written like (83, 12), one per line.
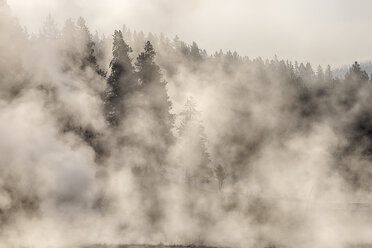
(195, 157)
(148, 70)
(309, 73)
(296, 68)
(195, 52)
(121, 81)
(86, 40)
(302, 71)
(320, 74)
(180, 46)
(328, 75)
(155, 93)
(356, 74)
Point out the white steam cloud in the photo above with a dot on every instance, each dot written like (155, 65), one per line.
(259, 157)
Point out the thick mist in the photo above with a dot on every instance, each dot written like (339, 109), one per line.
(134, 138)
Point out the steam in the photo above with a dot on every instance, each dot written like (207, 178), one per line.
(295, 155)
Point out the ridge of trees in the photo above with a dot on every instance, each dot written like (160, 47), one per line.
(157, 57)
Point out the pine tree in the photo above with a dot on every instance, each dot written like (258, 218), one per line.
(356, 74)
(152, 84)
(328, 75)
(180, 46)
(148, 70)
(121, 81)
(296, 69)
(195, 52)
(153, 104)
(155, 93)
(309, 73)
(320, 74)
(194, 157)
(153, 40)
(302, 71)
(86, 39)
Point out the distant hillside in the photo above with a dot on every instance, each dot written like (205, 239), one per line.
(341, 71)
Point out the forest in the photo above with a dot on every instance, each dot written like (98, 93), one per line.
(134, 138)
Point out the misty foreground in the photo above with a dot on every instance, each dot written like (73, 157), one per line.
(139, 139)
(186, 246)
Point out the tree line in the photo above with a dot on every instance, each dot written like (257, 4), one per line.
(134, 78)
(144, 78)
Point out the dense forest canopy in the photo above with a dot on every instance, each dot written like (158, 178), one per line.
(139, 138)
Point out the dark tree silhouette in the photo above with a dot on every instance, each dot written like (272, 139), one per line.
(148, 70)
(121, 81)
(328, 75)
(355, 73)
(155, 93)
(88, 47)
(195, 52)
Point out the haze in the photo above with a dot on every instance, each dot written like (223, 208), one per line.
(133, 138)
(321, 32)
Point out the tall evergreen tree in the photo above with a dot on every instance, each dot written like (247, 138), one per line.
(121, 81)
(309, 72)
(155, 92)
(195, 52)
(302, 71)
(148, 70)
(86, 39)
(320, 74)
(194, 157)
(328, 75)
(180, 46)
(355, 73)
(296, 69)
(151, 106)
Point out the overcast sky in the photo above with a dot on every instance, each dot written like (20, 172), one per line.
(335, 32)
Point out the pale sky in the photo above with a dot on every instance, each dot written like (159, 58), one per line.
(335, 32)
